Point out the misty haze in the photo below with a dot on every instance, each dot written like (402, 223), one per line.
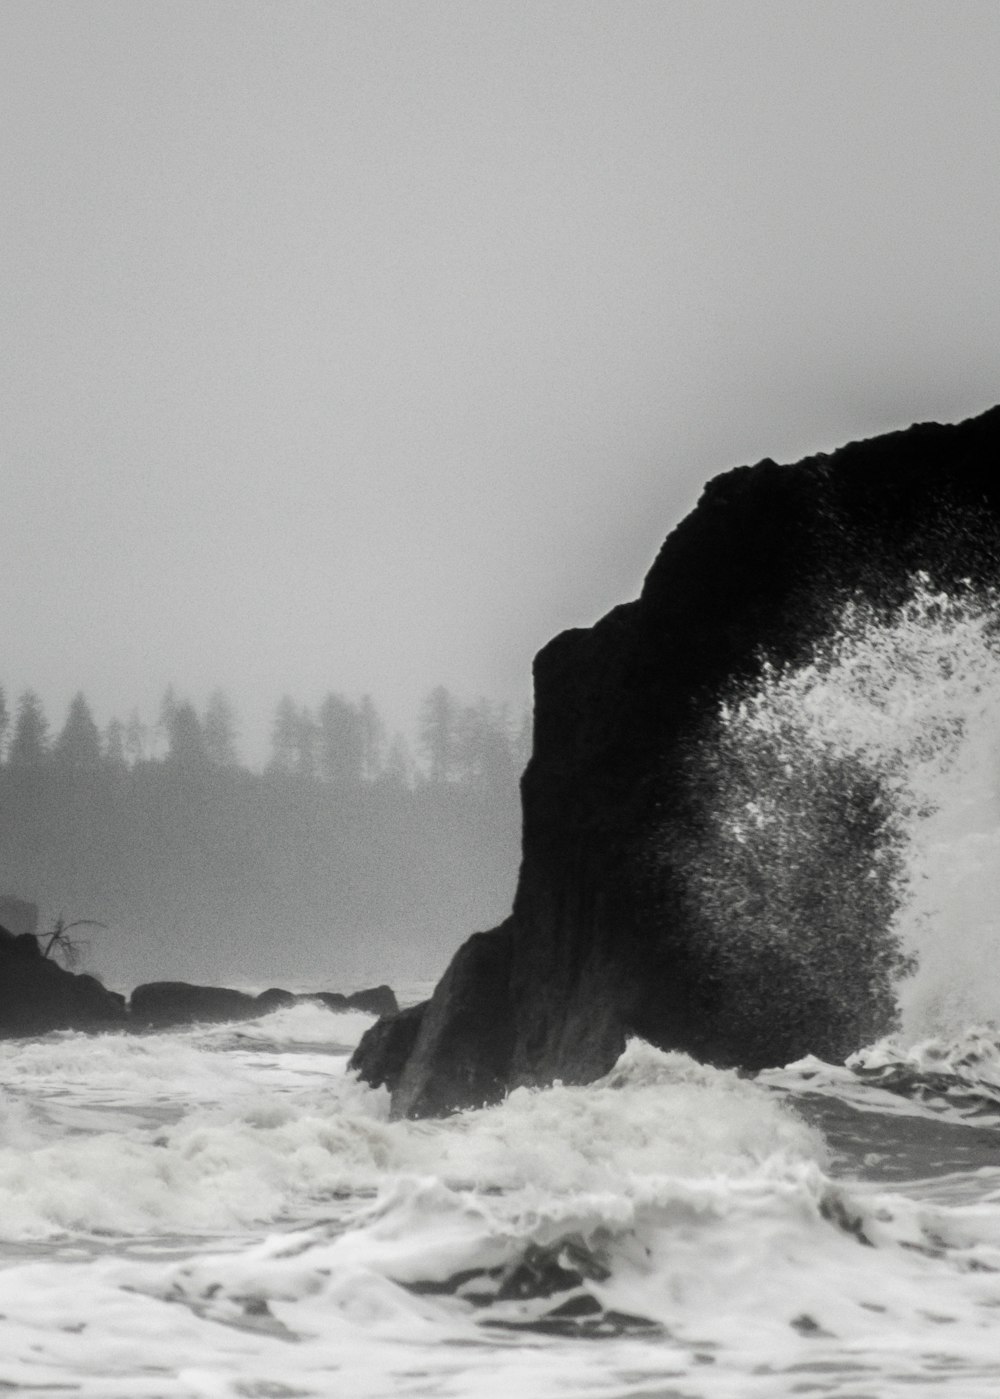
(348, 857)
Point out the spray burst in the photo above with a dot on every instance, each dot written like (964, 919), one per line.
(845, 854)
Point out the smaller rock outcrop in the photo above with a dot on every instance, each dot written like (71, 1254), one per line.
(164, 1003)
(376, 1000)
(333, 1000)
(37, 995)
(446, 1064)
(384, 1049)
(161, 1004)
(275, 998)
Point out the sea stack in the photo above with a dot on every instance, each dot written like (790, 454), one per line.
(601, 943)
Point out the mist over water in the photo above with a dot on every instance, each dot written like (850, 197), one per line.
(855, 812)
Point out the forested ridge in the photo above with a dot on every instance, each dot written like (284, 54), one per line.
(346, 856)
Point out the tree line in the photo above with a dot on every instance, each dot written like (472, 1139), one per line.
(341, 742)
(341, 854)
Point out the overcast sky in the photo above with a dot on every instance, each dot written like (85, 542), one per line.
(364, 346)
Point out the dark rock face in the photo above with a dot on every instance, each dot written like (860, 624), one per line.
(377, 1000)
(599, 946)
(37, 995)
(385, 1049)
(274, 998)
(467, 1026)
(19, 944)
(162, 1003)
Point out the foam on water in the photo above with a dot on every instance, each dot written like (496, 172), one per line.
(294, 1241)
(259, 1147)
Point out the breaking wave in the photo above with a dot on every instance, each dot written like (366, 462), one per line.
(849, 842)
(254, 1224)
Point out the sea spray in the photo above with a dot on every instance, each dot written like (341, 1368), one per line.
(848, 827)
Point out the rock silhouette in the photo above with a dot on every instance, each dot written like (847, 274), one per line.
(37, 995)
(600, 944)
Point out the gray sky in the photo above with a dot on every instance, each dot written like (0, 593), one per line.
(364, 346)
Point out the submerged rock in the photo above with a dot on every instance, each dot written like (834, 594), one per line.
(604, 940)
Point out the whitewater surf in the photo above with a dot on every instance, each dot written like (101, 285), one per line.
(225, 1212)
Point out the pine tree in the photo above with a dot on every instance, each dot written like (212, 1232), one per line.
(114, 746)
(284, 736)
(483, 747)
(399, 766)
(373, 738)
(4, 721)
(168, 708)
(136, 739)
(294, 740)
(438, 733)
(220, 731)
(306, 743)
(187, 749)
(30, 741)
(78, 746)
(341, 742)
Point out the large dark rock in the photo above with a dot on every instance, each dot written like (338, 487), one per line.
(37, 995)
(164, 1003)
(601, 943)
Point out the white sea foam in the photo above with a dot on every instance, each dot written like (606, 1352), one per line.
(956, 1080)
(260, 1147)
(309, 1023)
(684, 1210)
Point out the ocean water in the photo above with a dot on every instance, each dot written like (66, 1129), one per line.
(224, 1211)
